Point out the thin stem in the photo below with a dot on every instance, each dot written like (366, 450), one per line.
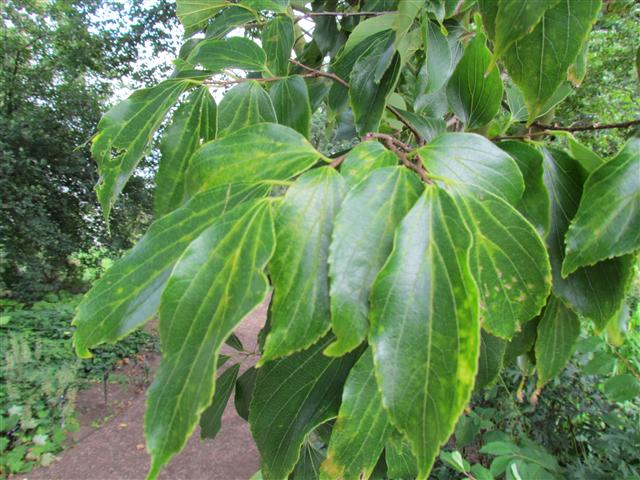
(307, 14)
(401, 149)
(224, 83)
(550, 129)
(342, 82)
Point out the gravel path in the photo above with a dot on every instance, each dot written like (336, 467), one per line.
(116, 451)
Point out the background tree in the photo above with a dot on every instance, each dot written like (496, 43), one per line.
(61, 61)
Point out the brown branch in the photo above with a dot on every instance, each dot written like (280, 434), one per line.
(342, 82)
(401, 149)
(551, 129)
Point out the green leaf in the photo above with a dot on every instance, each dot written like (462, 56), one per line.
(595, 292)
(491, 357)
(428, 127)
(622, 388)
(534, 204)
(538, 62)
(522, 342)
(508, 259)
(362, 427)
(471, 159)
(442, 55)
(227, 20)
(343, 63)
(128, 294)
(401, 463)
(277, 40)
(194, 14)
(515, 19)
(578, 70)
(602, 363)
(299, 270)
(366, 30)
(424, 391)
(211, 419)
(607, 223)
(558, 333)
(277, 6)
(291, 102)
(311, 457)
(193, 123)
(367, 97)
(244, 392)
(260, 152)
(407, 13)
(363, 159)
(245, 104)
(500, 448)
(489, 11)
(587, 158)
(362, 241)
(475, 97)
(235, 52)
(124, 134)
(217, 282)
(303, 382)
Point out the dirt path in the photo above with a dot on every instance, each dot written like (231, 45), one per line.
(116, 450)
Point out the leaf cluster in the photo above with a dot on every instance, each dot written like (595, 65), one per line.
(402, 274)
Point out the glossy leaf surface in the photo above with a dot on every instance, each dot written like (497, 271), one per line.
(362, 241)
(423, 302)
(193, 123)
(306, 381)
(217, 282)
(470, 159)
(299, 269)
(558, 333)
(362, 427)
(607, 223)
(128, 294)
(260, 152)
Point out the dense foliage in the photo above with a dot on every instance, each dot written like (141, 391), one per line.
(406, 273)
(59, 61)
(40, 376)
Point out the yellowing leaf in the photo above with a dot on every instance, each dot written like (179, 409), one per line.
(424, 302)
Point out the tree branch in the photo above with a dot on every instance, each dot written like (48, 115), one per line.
(342, 82)
(551, 129)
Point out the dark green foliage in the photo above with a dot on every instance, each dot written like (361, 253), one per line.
(59, 60)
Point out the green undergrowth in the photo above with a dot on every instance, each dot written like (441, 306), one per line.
(40, 375)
